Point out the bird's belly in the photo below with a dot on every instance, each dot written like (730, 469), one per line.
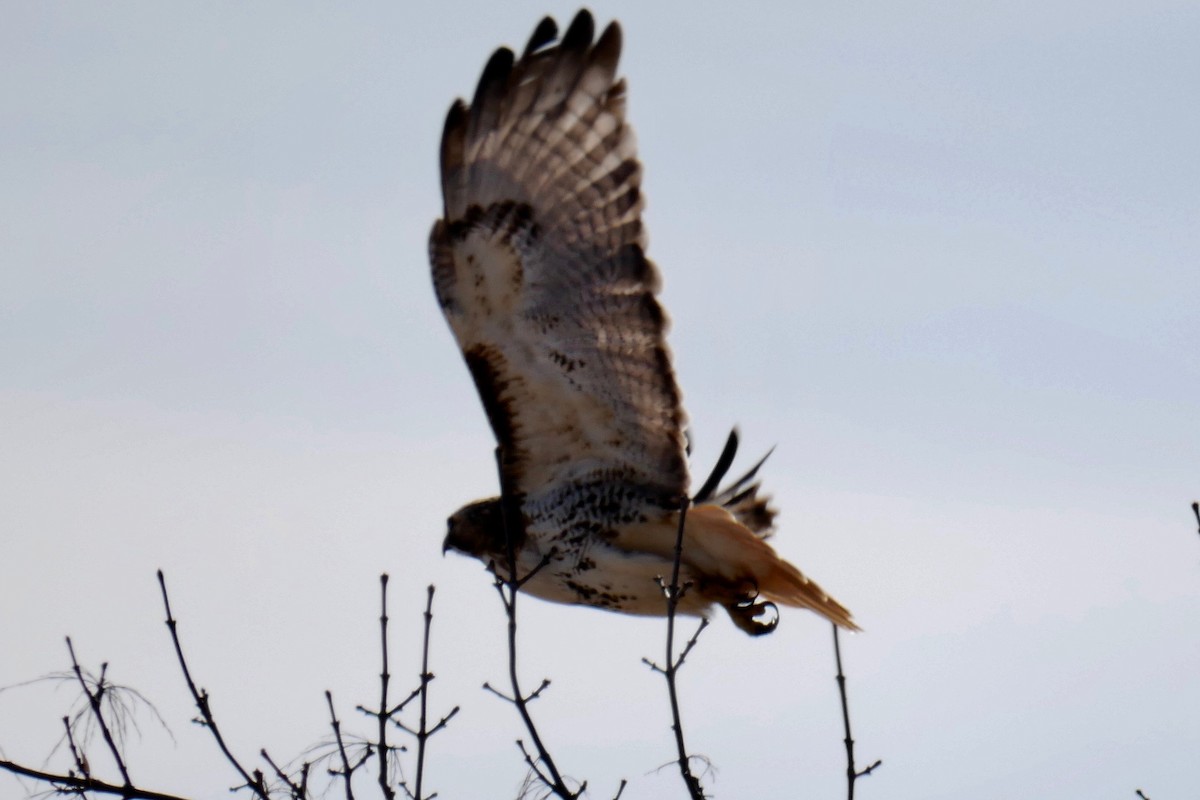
(605, 577)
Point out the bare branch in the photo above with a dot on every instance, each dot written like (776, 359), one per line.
(94, 699)
(254, 782)
(426, 677)
(346, 771)
(298, 791)
(852, 772)
(76, 784)
(674, 591)
(510, 515)
(77, 755)
(384, 677)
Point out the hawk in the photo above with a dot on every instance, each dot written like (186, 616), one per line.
(539, 266)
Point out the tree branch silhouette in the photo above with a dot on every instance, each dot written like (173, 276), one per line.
(674, 592)
(422, 732)
(507, 587)
(256, 782)
(78, 784)
(852, 772)
(94, 701)
(385, 785)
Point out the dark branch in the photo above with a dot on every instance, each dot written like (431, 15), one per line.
(674, 592)
(298, 791)
(255, 783)
(81, 763)
(511, 518)
(347, 771)
(852, 772)
(384, 677)
(94, 699)
(76, 784)
(1196, 512)
(426, 677)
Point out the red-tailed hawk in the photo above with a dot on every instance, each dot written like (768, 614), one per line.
(539, 267)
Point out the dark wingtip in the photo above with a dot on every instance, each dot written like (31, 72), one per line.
(545, 33)
(580, 32)
(722, 466)
(495, 74)
(608, 47)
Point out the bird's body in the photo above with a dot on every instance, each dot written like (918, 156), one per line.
(539, 266)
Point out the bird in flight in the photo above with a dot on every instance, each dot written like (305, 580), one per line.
(539, 266)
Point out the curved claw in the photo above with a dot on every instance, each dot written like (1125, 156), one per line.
(747, 613)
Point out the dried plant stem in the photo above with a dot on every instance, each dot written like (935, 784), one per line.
(852, 772)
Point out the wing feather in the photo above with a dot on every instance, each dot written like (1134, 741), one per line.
(540, 269)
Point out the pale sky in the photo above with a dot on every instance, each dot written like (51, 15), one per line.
(942, 255)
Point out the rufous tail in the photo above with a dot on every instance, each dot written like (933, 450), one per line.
(718, 544)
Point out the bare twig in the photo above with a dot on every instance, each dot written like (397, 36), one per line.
(674, 592)
(81, 762)
(385, 785)
(508, 587)
(422, 732)
(1196, 512)
(74, 784)
(256, 782)
(1139, 791)
(297, 790)
(347, 771)
(94, 700)
(852, 772)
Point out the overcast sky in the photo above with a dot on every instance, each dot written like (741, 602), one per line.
(944, 256)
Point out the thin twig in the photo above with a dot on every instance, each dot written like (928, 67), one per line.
(422, 732)
(81, 762)
(852, 772)
(347, 771)
(94, 699)
(511, 520)
(1139, 791)
(255, 783)
(71, 784)
(385, 785)
(1196, 512)
(296, 790)
(674, 592)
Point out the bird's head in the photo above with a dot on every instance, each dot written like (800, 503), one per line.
(476, 529)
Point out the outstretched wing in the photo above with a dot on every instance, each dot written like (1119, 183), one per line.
(539, 267)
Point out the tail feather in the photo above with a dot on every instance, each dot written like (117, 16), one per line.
(719, 545)
(788, 586)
